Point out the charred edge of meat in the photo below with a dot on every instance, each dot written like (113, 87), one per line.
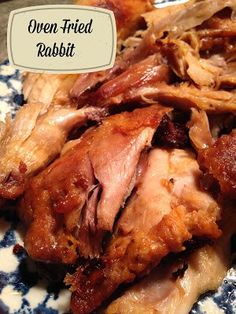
(172, 132)
(19, 250)
(219, 161)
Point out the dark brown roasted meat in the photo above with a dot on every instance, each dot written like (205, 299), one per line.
(219, 162)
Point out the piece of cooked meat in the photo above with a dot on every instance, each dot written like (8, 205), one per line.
(221, 24)
(128, 18)
(145, 72)
(161, 293)
(79, 195)
(48, 88)
(55, 88)
(179, 40)
(180, 19)
(127, 13)
(186, 96)
(167, 209)
(228, 77)
(172, 133)
(219, 162)
(183, 96)
(199, 130)
(32, 140)
(187, 64)
(174, 286)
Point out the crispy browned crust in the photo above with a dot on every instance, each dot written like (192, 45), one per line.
(51, 206)
(126, 258)
(219, 161)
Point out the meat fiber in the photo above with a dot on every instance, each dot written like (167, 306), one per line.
(161, 293)
(145, 72)
(128, 18)
(81, 193)
(167, 209)
(174, 286)
(183, 96)
(48, 88)
(32, 140)
(186, 63)
(199, 130)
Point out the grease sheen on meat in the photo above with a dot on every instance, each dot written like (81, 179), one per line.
(167, 209)
(219, 161)
(32, 140)
(79, 195)
(175, 285)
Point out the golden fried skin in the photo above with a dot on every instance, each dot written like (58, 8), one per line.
(219, 161)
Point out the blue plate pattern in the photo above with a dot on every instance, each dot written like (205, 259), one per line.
(11, 97)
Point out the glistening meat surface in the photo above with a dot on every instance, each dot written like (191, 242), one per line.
(184, 96)
(128, 17)
(161, 293)
(175, 285)
(145, 72)
(167, 209)
(33, 139)
(75, 200)
(219, 162)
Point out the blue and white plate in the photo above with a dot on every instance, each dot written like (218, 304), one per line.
(23, 288)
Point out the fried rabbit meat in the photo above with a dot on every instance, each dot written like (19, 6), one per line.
(175, 285)
(80, 194)
(32, 140)
(219, 161)
(167, 209)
